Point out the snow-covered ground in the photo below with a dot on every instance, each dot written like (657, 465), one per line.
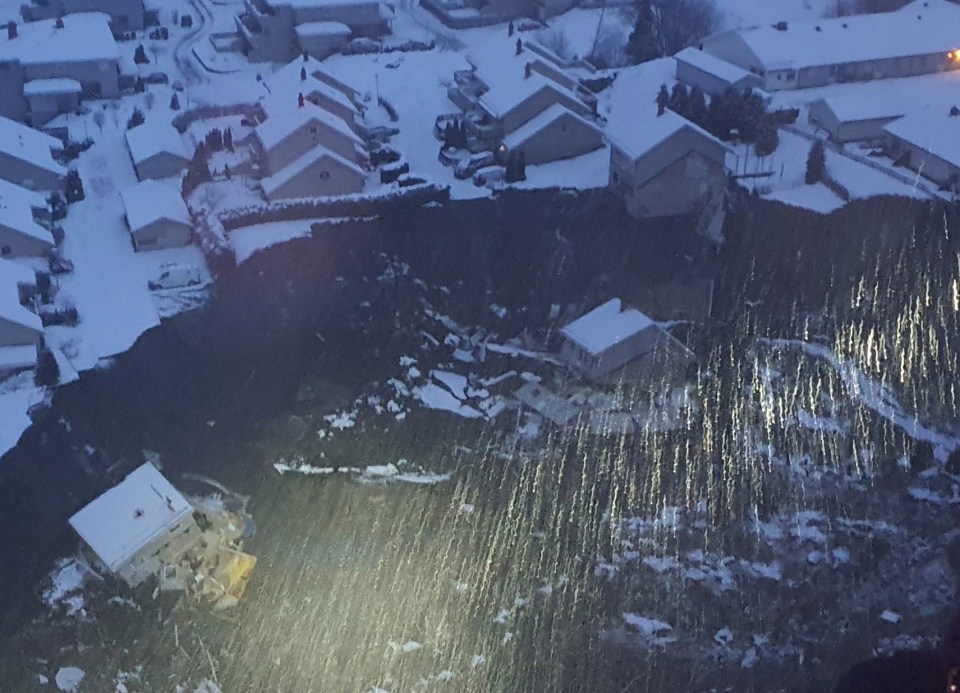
(740, 14)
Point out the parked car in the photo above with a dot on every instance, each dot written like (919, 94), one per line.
(175, 276)
(157, 78)
(489, 176)
(362, 45)
(470, 164)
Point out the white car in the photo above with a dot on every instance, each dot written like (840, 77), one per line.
(174, 276)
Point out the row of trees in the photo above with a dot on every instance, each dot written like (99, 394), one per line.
(664, 27)
(729, 115)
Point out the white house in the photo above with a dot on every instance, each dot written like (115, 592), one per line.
(157, 150)
(21, 331)
(26, 157)
(556, 133)
(710, 74)
(157, 216)
(855, 119)
(20, 234)
(919, 38)
(927, 141)
(608, 337)
(664, 165)
(138, 526)
(317, 173)
(125, 15)
(268, 28)
(292, 130)
(81, 49)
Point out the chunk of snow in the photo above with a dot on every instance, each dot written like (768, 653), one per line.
(890, 616)
(749, 658)
(724, 636)
(646, 626)
(661, 564)
(435, 397)
(477, 660)
(68, 679)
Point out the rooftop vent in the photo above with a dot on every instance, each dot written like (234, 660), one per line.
(954, 111)
(780, 26)
(817, 28)
(845, 25)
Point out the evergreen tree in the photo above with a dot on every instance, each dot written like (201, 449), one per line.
(816, 163)
(678, 99)
(73, 187)
(751, 112)
(642, 42)
(663, 99)
(48, 372)
(697, 106)
(767, 138)
(11, 30)
(136, 118)
(174, 102)
(140, 56)
(228, 139)
(58, 206)
(139, 86)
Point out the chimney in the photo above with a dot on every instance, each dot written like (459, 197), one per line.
(527, 70)
(11, 30)
(781, 26)
(300, 100)
(59, 23)
(303, 74)
(954, 111)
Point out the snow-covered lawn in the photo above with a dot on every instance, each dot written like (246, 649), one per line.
(745, 13)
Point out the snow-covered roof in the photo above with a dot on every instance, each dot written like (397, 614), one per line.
(154, 137)
(14, 357)
(933, 130)
(639, 136)
(150, 201)
(85, 36)
(922, 27)
(16, 214)
(13, 193)
(37, 87)
(297, 166)
(287, 81)
(284, 120)
(13, 274)
(853, 108)
(311, 4)
(322, 29)
(731, 74)
(541, 121)
(605, 326)
(26, 144)
(129, 516)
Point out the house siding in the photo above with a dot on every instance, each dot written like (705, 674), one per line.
(311, 182)
(160, 166)
(565, 137)
(148, 561)
(163, 233)
(709, 83)
(678, 189)
(26, 174)
(98, 78)
(537, 104)
(15, 334)
(302, 140)
(596, 366)
(21, 245)
(922, 161)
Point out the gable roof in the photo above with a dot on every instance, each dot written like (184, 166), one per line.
(155, 137)
(854, 108)
(13, 274)
(26, 144)
(28, 198)
(922, 27)
(59, 85)
(85, 36)
(933, 130)
(271, 183)
(150, 201)
(543, 120)
(606, 325)
(284, 120)
(129, 516)
(637, 137)
(16, 214)
(286, 81)
(729, 73)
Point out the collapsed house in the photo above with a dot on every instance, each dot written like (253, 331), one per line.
(144, 527)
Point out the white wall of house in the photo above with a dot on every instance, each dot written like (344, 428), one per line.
(16, 334)
(99, 78)
(598, 365)
(536, 104)
(678, 189)
(922, 161)
(162, 233)
(324, 176)
(158, 166)
(45, 107)
(27, 175)
(564, 138)
(14, 243)
(315, 133)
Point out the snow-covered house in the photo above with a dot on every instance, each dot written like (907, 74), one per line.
(21, 331)
(928, 142)
(138, 526)
(508, 88)
(321, 39)
(20, 234)
(608, 337)
(308, 76)
(317, 173)
(48, 98)
(156, 149)
(125, 15)
(556, 133)
(291, 131)
(26, 156)
(920, 38)
(81, 49)
(268, 29)
(156, 215)
(664, 165)
(710, 74)
(854, 119)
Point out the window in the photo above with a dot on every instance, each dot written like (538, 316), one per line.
(6, 250)
(324, 175)
(313, 130)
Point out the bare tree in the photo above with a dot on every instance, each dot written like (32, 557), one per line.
(664, 27)
(609, 49)
(556, 40)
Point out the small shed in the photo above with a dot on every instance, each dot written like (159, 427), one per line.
(711, 74)
(157, 216)
(157, 150)
(608, 337)
(138, 525)
(854, 119)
